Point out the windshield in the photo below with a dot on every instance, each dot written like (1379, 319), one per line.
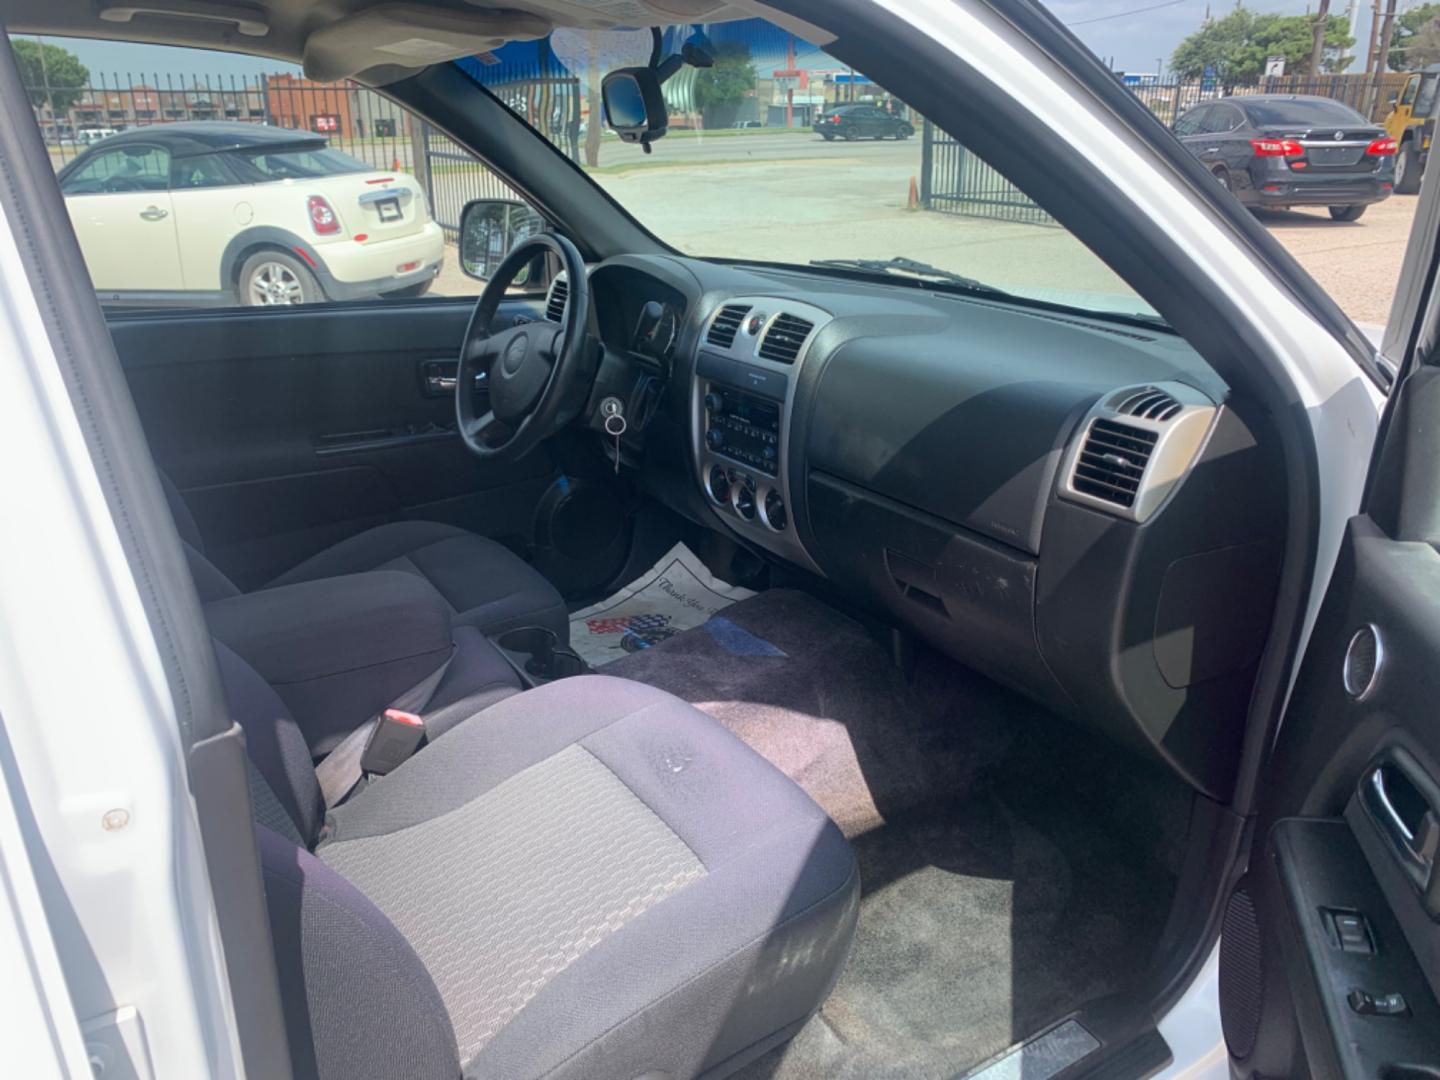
(781, 153)
(1302, 113)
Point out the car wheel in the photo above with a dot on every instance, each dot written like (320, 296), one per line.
(273, 278)
(850, 133)
(1346, 213)
(904, 131)
(827, 138)
(1408, 171)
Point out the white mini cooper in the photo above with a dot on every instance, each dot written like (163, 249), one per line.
(226, 212)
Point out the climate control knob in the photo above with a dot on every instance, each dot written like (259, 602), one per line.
(744, 502)
(715, 438)
(714, 402)
(773, 511)
(719, 485)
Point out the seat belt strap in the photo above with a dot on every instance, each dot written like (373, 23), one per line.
(340, 770)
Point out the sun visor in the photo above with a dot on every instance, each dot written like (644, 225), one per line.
(411, 36)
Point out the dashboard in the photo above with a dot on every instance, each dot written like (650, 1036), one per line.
(1078, 508)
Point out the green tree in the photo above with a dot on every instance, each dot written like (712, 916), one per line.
(1235, 47)
(720, 89)
(1416, 40)
(44, 65)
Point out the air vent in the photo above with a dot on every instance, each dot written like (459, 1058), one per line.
(783, 340)
(555, 304)
(1112, 461)
(1148, 403)
(727, 325)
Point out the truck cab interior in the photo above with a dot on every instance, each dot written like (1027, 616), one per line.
(970, 780)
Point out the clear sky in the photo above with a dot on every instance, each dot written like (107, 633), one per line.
(1135, 34)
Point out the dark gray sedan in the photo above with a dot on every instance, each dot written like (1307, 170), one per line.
(1279, 151)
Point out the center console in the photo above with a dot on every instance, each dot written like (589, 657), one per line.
(747, 367)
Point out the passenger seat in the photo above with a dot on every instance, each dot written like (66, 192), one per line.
(486, 585)
(588, 880)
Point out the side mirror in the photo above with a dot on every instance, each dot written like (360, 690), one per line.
(489, 228)
(634, 105)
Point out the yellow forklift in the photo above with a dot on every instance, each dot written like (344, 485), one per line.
(1411, 123)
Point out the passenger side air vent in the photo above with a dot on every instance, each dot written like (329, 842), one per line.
(555, 303)
(727, 325)
(1148, 402)
(784, 339)
(1112, 461)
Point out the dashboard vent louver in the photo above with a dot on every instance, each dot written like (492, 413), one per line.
(1113, 460)
(727, 325)
(1149, 403)
(782, 342)
(555, 304)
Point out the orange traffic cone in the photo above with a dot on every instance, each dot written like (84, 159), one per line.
(396, 166)
(914, 202)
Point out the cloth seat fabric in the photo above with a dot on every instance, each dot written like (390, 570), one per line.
(484, 583)
(591, 879)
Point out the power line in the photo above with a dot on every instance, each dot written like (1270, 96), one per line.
(1124, 14)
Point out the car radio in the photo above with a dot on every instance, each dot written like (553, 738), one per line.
(743, 428)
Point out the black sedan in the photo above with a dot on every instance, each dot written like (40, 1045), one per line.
(1279, 151)
(861, 122)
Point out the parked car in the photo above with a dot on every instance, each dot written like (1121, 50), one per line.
(88, 136)
(852, 122)
(228, 211)
(1278, 151)
(748, 124)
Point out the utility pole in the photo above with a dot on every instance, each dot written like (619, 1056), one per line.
(1382, 52)
(1322, 23)
(1374, 28)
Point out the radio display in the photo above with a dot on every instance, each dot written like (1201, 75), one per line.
(743, 427)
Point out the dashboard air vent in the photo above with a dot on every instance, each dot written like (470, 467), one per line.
(1148, 403)
(555, 304)
(1112, 461)
(783, 340)
(727, 325)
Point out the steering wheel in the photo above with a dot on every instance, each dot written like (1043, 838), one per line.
(535, 372)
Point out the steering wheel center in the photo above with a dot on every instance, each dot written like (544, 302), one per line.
(515, 354)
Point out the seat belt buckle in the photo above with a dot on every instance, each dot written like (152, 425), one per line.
(396, 737)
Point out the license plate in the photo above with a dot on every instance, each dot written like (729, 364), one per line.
(389, 209)
(1334, 155)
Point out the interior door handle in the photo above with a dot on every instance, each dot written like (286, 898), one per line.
(154, 213)
(1402, 815)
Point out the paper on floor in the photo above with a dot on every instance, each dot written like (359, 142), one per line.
(675, 594)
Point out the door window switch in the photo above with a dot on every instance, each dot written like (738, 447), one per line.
(1367, 1004)
(1351, 932)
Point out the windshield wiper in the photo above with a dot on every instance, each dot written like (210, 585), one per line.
(913, 268)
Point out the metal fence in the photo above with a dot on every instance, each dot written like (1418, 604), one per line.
(953, 180)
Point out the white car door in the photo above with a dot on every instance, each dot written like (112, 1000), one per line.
(119, 202)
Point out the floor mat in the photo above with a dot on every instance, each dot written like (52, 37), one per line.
(675, 594)
(1013, 867)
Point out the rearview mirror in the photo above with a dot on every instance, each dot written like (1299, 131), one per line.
(634, 105)
(489, 228)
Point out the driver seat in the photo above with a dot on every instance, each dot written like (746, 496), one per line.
(485, 584)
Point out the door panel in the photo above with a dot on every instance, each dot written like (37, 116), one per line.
(1330, 957)
(287, 430)
(128, 239)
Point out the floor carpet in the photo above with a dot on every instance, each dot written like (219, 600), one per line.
(1013, 866)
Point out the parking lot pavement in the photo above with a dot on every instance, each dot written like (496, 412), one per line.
(789, 198)
(1357, 262)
